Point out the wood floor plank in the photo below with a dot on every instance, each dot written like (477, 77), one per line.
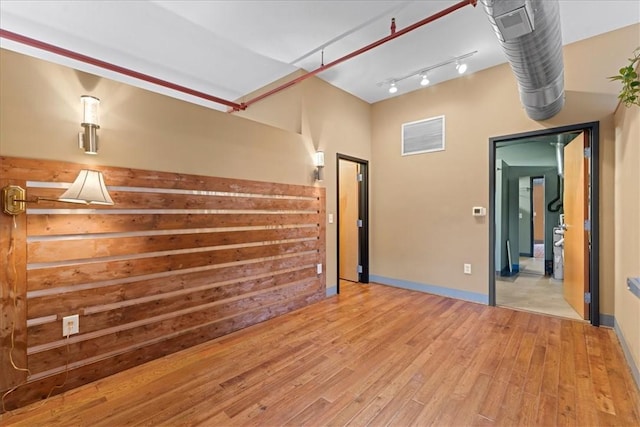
(409, 415)
(490, 406)
(398, 402)
(374, 355)
(547, 410)
(625, 398)
(438, 399)
(467, 407)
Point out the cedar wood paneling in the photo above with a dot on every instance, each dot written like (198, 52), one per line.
(178, 260)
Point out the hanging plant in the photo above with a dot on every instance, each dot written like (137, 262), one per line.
(630, 92)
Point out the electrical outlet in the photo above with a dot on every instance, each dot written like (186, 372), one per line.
(70, 325)
(467, 269)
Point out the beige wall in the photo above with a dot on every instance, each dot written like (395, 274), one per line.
(330, 120)
(41, 119)
(422, 228)
(627, 231)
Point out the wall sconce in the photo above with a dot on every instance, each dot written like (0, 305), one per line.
(88, 139)
(88, 188)
(318, 161)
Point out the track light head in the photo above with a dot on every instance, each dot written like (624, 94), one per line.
(424, 81)
(393, 88)
(461, 67)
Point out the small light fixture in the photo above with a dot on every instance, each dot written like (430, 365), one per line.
(88, 139)
(422, 73)
(88, 188)
(318, 161)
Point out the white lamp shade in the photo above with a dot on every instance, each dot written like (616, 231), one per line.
(319, 159)
(90, 110)
(88, 188)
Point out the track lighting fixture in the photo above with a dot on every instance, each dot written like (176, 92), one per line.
(461, 67)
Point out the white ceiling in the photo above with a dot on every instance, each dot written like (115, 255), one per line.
(231, 48)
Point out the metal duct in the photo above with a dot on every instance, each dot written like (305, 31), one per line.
(529, 32)
(559, 157)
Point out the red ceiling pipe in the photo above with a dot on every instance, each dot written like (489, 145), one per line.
(355, 53)
(108, 66)
(233, 105)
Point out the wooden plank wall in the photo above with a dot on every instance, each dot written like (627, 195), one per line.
(178, 260)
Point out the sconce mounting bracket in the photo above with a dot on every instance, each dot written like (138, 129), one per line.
(13, 197)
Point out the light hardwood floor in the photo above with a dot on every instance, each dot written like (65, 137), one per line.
(373, 355)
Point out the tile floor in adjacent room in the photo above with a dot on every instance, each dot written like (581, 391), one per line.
(532, 291)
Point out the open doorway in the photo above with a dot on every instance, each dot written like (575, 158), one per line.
(532, 225)
(543, 193)
(353, 220)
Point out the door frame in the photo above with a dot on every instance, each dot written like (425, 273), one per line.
(531, 207)
(592, 130)
(363, 211)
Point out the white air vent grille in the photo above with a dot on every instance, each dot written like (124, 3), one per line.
(423, 136)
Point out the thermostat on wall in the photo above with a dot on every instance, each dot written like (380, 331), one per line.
(479, 211)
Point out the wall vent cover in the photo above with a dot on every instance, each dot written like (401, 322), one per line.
(423, 136)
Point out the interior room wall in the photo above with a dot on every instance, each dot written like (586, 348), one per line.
(330, 120)
(422, 228)
(41, 119)
(627, 231)
(274, 140)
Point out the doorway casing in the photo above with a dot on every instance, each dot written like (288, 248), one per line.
(363, 210)
(592, 131)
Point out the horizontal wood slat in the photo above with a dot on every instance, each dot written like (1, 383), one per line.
(99, 271)
(125, 338)
(63, 304)
(56, 224)
(64, 250)
(179, 259)
(135, 310)
(141, 200)
(40, 170)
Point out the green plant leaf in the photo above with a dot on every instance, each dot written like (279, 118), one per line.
(628, 76)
